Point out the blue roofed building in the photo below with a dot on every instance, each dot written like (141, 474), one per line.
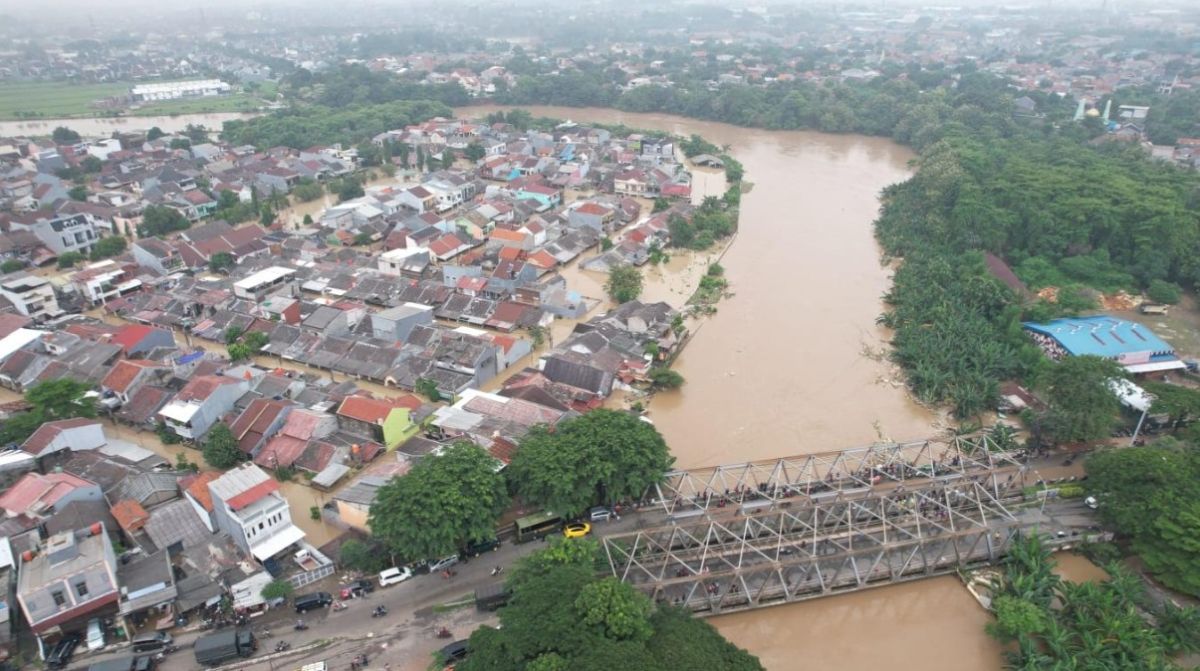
(1128, 343)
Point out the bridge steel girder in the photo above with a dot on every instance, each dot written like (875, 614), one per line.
(842, 475)
(812, 549)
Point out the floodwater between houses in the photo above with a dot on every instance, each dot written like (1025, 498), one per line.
(790, 365)
(106, 126)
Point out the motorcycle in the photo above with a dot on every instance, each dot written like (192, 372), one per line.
(497, 570)
(379, 611)
(444, 633)
(339, 605)
(282, 645)
(300, 625)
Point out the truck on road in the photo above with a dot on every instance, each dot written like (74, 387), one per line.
(216, 649)
(137, 663)
(491, 597)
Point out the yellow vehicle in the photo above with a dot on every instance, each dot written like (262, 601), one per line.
(577, 530)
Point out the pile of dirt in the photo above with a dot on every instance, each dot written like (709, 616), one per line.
(1048, 294)
(1119, 301)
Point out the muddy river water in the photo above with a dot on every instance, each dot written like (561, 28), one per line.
(789, 365)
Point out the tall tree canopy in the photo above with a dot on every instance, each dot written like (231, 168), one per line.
(563, 616)
(602, 457)
(1152, 495)
(443, 502)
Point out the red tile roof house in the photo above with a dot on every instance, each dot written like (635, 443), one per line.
(201, 403)
(137, 338)
(72, 579)
(248, 506)
(300, 427)
(128, 375)
(196, 492)
(75, 434)
(258, 423)
(38, 496)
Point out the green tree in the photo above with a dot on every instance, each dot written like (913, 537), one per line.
(64, 135)
(562, 615)
(220, 261)
(50, 401)
(161, 220)
(604, 456)
(474, 152)
(154, 133)
(428, 388)
(1151, 494)
(11, 266)
(350, 188)
(61, 399)
(368, 557)
(661, 204)
(444, 501)
(277, 589)
(113, 245)
(69, 259)
(665, 378)
(1162, 291)
(90, 164)
(78, 192)
(181, 143)
(232, 334)
(624, 283)
(363, 238)
(1082, 407)
(221, 448)
(622, 612)
(1016, 618)
(308, 190)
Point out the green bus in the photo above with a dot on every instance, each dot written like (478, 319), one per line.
(537, 526)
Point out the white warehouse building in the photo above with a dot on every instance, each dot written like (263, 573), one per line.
(175, 90)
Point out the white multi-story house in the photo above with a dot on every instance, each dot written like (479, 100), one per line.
(71, 579)
(74, 233)
(201, 403)
(32, 296)
(248, 506)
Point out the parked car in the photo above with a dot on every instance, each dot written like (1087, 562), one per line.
(307, 602)
(60, 655)
(95, 634)
(394, 576)
(456, 651)
(443, 563)
(363, 586)
(478, 548)
(151, 642)
(600, 514)
(577, 530)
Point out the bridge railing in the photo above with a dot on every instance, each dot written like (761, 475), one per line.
(845, 474)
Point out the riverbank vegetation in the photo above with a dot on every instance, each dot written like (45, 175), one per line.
(1151, 496)
(306, 126)
(1055, 624)
(562, 616)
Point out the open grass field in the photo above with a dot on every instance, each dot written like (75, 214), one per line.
(56, 100)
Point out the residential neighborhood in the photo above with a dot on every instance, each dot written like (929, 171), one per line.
(380, 330)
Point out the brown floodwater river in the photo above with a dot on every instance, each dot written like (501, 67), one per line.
(791, 365)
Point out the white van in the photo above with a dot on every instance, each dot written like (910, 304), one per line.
(95, 634)
(394, 576)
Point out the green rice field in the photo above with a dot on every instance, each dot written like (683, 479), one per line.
(52, 100)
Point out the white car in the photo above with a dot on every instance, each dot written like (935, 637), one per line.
(95, 634)
(394, 575)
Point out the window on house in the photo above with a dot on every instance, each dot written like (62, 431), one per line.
(81, 588)
(260, 526)
(60, 599)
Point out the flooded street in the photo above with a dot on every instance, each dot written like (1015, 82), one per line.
(106, 126)
(792, 362)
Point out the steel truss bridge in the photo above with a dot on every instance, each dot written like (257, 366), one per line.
(756, 534)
